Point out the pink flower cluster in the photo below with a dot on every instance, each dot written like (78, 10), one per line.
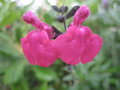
(77, 45)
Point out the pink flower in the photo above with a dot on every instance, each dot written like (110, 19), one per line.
(79, 43)
(37, 46)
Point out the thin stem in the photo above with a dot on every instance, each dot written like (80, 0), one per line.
(64, 23)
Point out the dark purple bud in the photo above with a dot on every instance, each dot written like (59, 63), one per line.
(55, 8)
(63, 9)
(60, 18)
(72, 12)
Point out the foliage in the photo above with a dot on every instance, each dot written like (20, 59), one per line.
(101, 74)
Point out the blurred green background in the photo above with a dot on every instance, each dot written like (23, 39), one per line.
(101, 74)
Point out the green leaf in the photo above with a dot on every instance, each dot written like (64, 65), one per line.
(2, 1)
(44, 74)
(68, 77)
(14, 73)
(21, 85)
(4, 37)
(8, 19)
(113, 69)
(4, 10)
(94, 6)
(114, 80)
(9, 51)
(44, 86)
(48, 18)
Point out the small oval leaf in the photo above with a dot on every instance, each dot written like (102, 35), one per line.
(44, 74)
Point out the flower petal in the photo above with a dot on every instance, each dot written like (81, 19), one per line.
(26, 50)
(92, 47)
(40, 49)
(69, 45)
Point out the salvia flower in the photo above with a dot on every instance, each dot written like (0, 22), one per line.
(77, 45)
(37, 46)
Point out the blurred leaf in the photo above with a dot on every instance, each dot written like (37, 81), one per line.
(4, 37)
(2, 1)
(8, 19)
(44, 86)
(94, 6)
(24, 84)
(14, 73)
(16, 87)
(4, 64)
(44, 74)
(68, 77)
(113, 69)
(114, 80)
(9, 51)
(4, 10)
(48, 19)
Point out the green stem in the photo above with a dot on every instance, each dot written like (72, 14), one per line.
(64, 23)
